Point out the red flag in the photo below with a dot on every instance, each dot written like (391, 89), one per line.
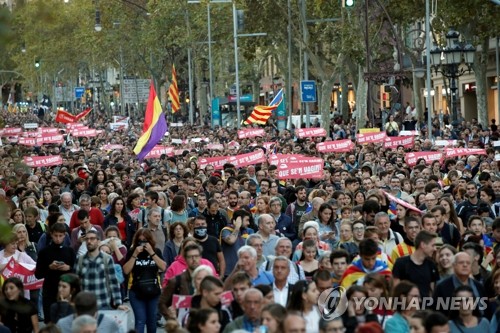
(64, 117)
(82, 114)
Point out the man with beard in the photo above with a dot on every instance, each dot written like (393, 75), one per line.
(102, 282)
(232, 199)
(299, 207)
(395, 185)
(212, 250)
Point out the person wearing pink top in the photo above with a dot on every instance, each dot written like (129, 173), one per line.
(180, 265)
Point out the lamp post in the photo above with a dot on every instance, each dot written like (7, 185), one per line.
(448, 61)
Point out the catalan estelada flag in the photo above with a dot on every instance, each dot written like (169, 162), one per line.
(356, 272)
(154, 127)
(261, 113)
(173, 92)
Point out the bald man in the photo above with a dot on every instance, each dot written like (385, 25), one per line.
(462, 269)
(294, 323)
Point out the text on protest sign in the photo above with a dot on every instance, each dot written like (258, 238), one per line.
(392, 142)
(242, 160)
(250, 133)
(215, 146)
(371, 137)
(453, 152)
(276, 159)
(217, 162)
(11, 131)
(429, 157)
(157, 151)
(84, 132)
(310, 132)
(25, 272)
(306, 168)
(338, 146)
(41, 161)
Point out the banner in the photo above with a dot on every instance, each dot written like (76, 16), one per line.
(401, 202)
(27, 141)
(121, 119)
(49, 138)
(310, 132)
(118, 126)
(445, 143)
(112, 147)
(48, 130)
(64, 117)
(338, 146)
(42, 161)
(276, 159)
(429, 156)
(407, 133)
(369, 130)
(124, 319)
(215, 146)
(11, 131)
(157, 151)
(305, 168)
(25, 272)
(72, 126)
(242, 160)
(454, 152)
(392, 142)
(371, 137)
(30, 125)
(217, 162)
(84, 132)
(251, 133)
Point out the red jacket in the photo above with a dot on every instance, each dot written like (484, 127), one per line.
(96, 218)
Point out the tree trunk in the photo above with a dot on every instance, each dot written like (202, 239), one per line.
(343, 106)
(417, 97)
(326, 92)
(480, 67)
(361, 96)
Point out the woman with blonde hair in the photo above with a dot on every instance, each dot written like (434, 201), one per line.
(23, 242)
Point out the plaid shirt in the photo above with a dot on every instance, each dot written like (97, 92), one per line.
(104, 284)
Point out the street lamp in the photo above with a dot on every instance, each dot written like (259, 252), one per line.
(448, 61)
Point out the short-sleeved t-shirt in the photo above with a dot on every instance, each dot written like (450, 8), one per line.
(210, 249)
(422, 275)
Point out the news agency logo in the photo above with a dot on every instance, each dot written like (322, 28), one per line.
(332, 303)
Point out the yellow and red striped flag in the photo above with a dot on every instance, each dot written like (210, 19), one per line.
(261, 113)
(173, 92)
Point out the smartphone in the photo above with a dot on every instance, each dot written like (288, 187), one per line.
(59, 262)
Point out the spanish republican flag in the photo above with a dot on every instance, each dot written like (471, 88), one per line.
(154, 128)
(356, 272)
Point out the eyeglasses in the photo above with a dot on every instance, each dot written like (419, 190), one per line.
(194, 256)
(358, 228)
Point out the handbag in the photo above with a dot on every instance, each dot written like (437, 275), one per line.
(146, 288)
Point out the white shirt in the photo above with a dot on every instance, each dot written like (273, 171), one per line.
(280, 296)
(312, 320)
(67, 213)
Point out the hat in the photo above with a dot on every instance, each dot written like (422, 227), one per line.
(311, 224)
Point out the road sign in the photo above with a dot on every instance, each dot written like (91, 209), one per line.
(308, 91)
(136, 90)
(79, 92)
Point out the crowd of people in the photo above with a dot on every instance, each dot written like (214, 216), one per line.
(203, 248)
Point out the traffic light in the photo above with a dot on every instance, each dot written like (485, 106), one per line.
(347, 3)
(37, 63)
